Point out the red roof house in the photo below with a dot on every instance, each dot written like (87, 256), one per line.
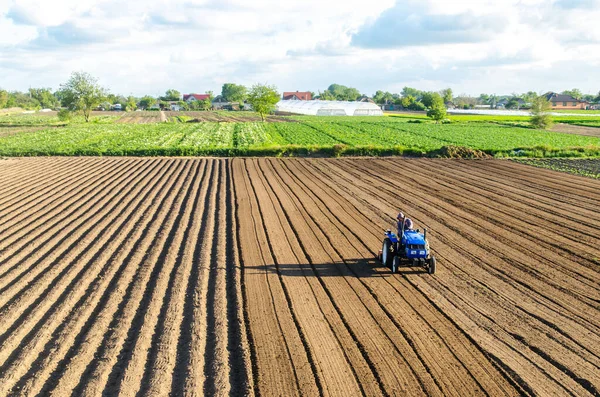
(195, 97)
(297, 96)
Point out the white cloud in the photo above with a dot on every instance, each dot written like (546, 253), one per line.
(148, 46)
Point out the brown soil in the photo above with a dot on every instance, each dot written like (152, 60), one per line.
(461, 152)
(145, 117)
(576, 129)
(12, 130)
(162, 276)
(233, 116)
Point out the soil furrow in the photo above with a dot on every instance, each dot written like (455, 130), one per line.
(76, 328)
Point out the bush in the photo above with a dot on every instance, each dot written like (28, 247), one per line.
(540, 113)
(65, 115)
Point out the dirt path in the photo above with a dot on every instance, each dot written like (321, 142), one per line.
(576, 129)
(257, 277)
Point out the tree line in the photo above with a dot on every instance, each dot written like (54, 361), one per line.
(82, 94)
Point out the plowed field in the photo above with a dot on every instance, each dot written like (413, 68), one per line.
(161, 276)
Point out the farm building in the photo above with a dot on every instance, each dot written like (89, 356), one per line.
(297, 96)
(195, 97)
(219, 102)
(329, 108)
(561, 101)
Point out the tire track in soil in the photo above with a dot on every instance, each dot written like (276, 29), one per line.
(280, 364)
(240, 357)
(336, 382)
(311, 372)
(346, 289)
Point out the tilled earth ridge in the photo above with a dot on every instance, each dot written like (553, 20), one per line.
(161, 276)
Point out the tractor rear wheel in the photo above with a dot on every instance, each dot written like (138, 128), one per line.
(431, 267)
(387, 253)
(395, 264)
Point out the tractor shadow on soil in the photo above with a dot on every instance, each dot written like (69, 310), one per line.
(354, 267)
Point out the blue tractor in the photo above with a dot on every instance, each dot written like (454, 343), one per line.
(410, 249)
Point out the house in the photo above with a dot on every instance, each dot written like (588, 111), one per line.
(297, 96)
(174, 106)
(195, 97)
(562, 101)
(219, 102)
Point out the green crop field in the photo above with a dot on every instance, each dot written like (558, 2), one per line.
(292, 136)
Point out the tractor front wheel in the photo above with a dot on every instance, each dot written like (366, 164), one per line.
(431, 267)
(387, 253)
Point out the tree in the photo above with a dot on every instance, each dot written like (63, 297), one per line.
(575, 93)
(22, 100)
(540, 113)
(447, 95)
(598, 97)
(326, 96)
(529, 96)
(44, 97)
(407, 101)
(408, 91)
(146, 102)
(588, 97)
(437, 109)
(343, 93)
(513, 103)
(183, 105)
(381, 97)
(263, 99)
(465, 101)
(234, 92)
(171, 95)
(82, 93)
(417, 105)
(205, 104)
(131, 104)
(3, 98)
(427, 98)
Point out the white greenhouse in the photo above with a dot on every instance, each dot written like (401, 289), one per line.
(329, 108)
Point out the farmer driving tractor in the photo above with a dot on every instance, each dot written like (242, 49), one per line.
(407, 248)
(408, 223)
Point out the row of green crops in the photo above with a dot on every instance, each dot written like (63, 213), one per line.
(305, 136)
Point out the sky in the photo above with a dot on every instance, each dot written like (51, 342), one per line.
(146, 47)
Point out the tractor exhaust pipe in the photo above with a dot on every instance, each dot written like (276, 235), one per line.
(425, 234)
